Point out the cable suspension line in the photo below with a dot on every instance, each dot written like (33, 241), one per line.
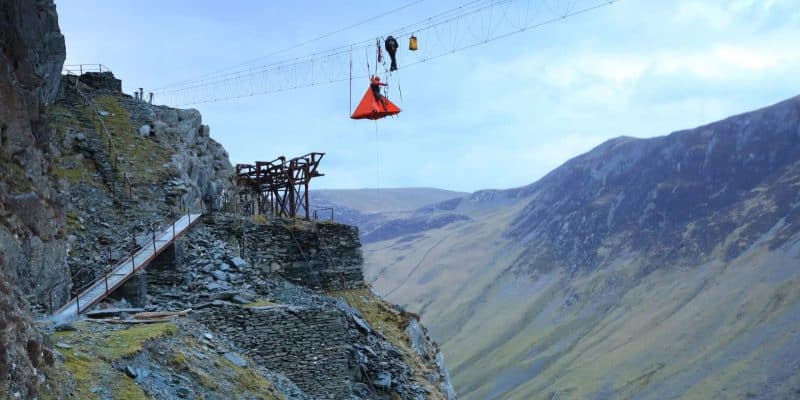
(470, 25)
(292, 47)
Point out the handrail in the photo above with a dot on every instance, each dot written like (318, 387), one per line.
(316, 216)
(113, 149)
(109, 267)
(134, 268)
(69, 69)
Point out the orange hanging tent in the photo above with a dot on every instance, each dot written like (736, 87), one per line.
(374, 105)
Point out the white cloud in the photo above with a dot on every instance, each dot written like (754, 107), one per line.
(720, 61)
(728, 61)
(722, 15)
(714, 15)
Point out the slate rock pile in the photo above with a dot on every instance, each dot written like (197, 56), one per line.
(198, 172)
(327, 348)
(204, 269)
(207, 268)
(302, 343)
(329, 351)
(377, 367)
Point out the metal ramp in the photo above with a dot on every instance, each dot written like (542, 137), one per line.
(123, 271)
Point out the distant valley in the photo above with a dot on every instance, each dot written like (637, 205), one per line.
(382, 214)
(645, 268)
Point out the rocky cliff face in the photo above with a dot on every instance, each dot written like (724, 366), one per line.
(88, 173)
(127, 166)
(32, 237)
(199, 166)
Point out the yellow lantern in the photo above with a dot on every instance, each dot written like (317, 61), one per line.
(412, 43)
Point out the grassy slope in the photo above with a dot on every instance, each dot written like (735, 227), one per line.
(94, 348)
(708, 331)
(392, 325)
(90, 357)
(141, 158)
(73, 167)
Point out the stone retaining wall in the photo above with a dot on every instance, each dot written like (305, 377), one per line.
(305, 344)
(317, 255)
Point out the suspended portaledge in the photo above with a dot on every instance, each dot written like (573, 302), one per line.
(375, 105)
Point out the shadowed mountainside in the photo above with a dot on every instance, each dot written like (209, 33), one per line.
(647, 268)
(739, 174)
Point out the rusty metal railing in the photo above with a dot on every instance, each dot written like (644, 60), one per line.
(236, 204)
(316, 214)
(109, 288)
(79, 69)
(96, 116)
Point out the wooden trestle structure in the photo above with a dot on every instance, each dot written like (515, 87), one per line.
(278, 187)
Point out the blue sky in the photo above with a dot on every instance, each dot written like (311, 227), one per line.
(494, 116)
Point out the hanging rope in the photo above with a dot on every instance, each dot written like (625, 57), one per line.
(377, 171)
(349, 109)
(399, 88)
(366, 56)
(377, 157)
(378, 55)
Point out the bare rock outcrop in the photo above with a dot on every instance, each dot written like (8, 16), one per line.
(32, 244)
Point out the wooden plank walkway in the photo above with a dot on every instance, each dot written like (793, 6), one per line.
(106, 285)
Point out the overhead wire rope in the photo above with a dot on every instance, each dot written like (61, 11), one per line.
(213, 78)
(300, 44)
(297, 63)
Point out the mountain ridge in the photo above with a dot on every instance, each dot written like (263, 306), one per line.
(691, 168)
(608, 277)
